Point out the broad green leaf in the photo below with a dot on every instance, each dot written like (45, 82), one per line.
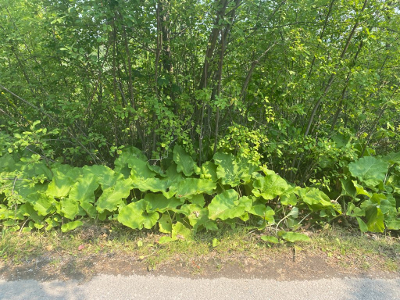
(69, 208)
(270, 186)
(125, 159)
(228, 170)
(151, 184)
(348, 188)
(134, 215)
(315, 198)
(165, 224)
(158, 202)
(180, 232)
(184, 162)
(360, 189)
(293, 237)
(71, 226)
(140, 169)
(187, 188)
(103, 174)
(270, 239)
(198, 217)
(83, 190)
(226, 206)
(369, 170)
(375, 219)
(209, 171)
(393, 224)
(362, 225)
(392, 158)
(265, 212)
(63, 179)
(113, 197)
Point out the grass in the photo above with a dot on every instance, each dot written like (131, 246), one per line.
(339, 248)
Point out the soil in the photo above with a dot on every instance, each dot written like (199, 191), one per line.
(283, 266)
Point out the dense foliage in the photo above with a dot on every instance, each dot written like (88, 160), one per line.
(219, 96)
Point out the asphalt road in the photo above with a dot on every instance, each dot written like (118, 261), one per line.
(161, 287)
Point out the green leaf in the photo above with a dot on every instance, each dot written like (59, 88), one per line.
(64, 177)
(270, 186)
(113, 197)
(375, 219)
(134, 215)
(228, 170)
(103, 174)
(362, 225)
(140, 169)
(293, 237)
(152, 184)
(226, 206)
(315, 198)
(180, 231)
(187, 188)
(158, 202)
(392, 158)
(270, 239)
(83, 190)
(184, 162)
(69, 208)
(209, 171)
(165, 224)
(369, 170)
(71, 226)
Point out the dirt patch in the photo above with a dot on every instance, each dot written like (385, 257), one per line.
(282, 266)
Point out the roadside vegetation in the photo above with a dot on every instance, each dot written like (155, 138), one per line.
(180, 119)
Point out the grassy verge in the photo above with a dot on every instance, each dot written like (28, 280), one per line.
(111, 248)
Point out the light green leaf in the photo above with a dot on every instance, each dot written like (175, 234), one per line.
(180, 231)
(134, 215)
(270, 186)
(187, 188)
(369, 170)
(112, 197)
(315, 198)
(71, 226)
(83, 190)
(158, 202)
(293, 237)
(375, 219)
(226, 206)
(69, 208)
(184, 162)
(165, 224)
(270, 239)
(228, 170)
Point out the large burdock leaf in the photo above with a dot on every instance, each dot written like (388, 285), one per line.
(69, 208)
(127, 158)
(64, 177)
(392, 158)
(135, 216)
(151, 184)
(180, 232)
(187, 188)
(293, 237)
(42, 203)
(113, 196)
(226, 206)
(315, 198)
(158, 202)
(369, 170)
(83, 189)
(71, 226)
(375, 219)
(140, 169)
(228, 170)
(105, 176)
(209, 171)
(184, 162)
(270, 186)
